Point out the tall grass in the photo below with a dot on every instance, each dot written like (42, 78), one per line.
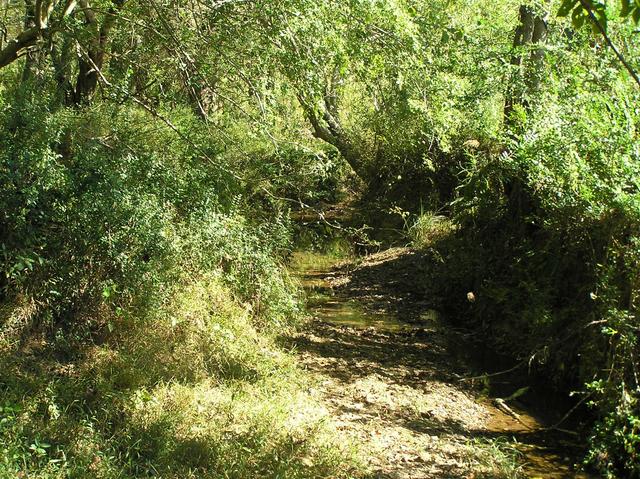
(191, 391)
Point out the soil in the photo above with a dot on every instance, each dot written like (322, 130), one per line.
(392, 374)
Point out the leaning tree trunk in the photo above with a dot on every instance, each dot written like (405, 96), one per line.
(325, 126)
(325, 123)
(322, 112)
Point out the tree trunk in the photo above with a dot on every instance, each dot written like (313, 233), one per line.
(91, 61)
(527, 61)
(534, 78)
(528, 70)
(29, 23)
(326, 126)
(62, 58)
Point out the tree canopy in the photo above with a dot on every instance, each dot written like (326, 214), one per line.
(147, 143)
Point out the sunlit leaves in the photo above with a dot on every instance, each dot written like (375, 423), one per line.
(595, 12)
(631, 8)
(581, 12)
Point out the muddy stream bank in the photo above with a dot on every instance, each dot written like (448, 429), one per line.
(395, 381)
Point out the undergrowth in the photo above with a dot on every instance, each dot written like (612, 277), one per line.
(429, 228)
(544, 267)
(495, 459)
(140, 301)
(193, 390)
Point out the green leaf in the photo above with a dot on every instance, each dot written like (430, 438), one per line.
(601, 15)
(566, 7)
(517, 394)
(625, 9)
(578, 17)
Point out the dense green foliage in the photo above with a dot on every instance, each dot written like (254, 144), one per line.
(546, 225)
(150, 153)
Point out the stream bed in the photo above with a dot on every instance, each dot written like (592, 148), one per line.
(426, 348)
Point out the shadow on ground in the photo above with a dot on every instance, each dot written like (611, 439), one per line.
(391, 377)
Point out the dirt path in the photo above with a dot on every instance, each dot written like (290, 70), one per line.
(394, 389)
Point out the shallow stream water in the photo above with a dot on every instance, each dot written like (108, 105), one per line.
(543, 453)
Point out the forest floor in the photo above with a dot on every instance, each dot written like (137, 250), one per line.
(390, 373)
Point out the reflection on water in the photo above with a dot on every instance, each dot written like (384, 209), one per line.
(314, 272)
(350, 313)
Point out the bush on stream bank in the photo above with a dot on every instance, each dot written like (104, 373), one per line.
(140, 301)
(545, 236)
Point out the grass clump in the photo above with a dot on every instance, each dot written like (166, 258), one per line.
(430, 228)
(495, 459)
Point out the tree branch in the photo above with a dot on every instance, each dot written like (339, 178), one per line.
(16, 47)
(27, 38)
(157, 115)
(607, 39)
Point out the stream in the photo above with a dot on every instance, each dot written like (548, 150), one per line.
(403, 380)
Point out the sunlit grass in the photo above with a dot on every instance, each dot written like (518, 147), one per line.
(429, 228)
(494, 459)
(196, 391)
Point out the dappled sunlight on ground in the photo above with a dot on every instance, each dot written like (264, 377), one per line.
(392, 383)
